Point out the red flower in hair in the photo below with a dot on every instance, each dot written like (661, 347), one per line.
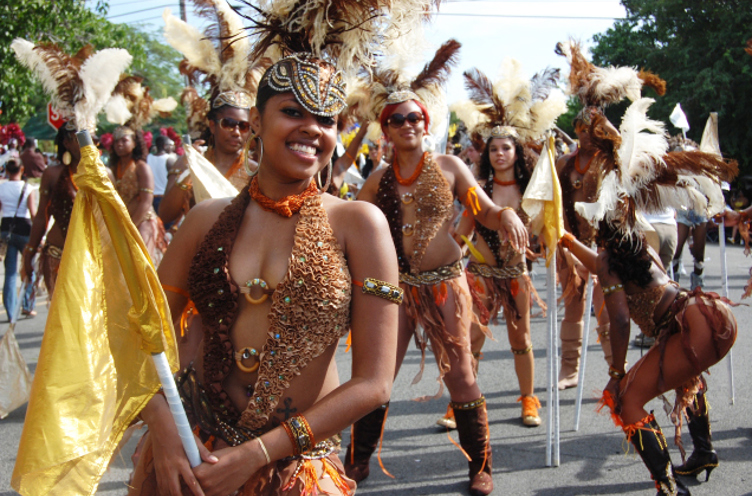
(12, 131)
(148, 138)
(105, 141)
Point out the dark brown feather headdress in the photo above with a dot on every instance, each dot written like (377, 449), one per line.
(602, 86)
(78, 85)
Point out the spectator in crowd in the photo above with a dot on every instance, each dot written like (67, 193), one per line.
(33, 160)
(160, 162)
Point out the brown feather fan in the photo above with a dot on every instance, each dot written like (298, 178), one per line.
(436, 72)
(482, 94)
(219, 29)
(653, 81)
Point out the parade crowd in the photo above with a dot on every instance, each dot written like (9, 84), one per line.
(301, 210)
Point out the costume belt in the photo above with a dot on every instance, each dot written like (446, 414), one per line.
(429, 277)
(485, 270)
(53, 251)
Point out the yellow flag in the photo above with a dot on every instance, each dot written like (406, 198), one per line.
(542, 201)
(95, 372)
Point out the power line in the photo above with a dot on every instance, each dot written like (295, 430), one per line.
(142, 10)
(529, 16)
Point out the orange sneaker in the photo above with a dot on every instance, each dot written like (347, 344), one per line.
(530, 405)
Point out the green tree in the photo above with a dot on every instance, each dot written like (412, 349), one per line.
(71, 25)
(698, 48)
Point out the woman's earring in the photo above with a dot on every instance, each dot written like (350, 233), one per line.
(67, 159)
(260, 145)
(428, 143)
(325, 187)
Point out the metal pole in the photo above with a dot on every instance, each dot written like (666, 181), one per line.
(583, 354)
(725, 293)
(552, 420)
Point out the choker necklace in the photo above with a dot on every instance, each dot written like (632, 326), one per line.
(285, 207)
(504, 183)
(411, 179)
(587, 166)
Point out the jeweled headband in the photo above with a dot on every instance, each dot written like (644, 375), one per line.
(122, 131)
(504, 132)
(401, 96)
(316, 84)
(239, 99)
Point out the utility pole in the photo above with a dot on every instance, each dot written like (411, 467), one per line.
(183, 13)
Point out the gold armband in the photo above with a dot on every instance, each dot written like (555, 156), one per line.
(382, 289)
(607, 290)
(615, 374)
(147, 190)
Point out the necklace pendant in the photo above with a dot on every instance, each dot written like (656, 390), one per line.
(408, 198)
(408, 230)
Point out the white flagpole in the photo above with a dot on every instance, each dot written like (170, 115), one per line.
(583, 354)
(176, 408)
(552, 420)
(724, 292)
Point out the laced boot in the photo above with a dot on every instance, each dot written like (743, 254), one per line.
(364, 440)
(649, 442)
(472, 426)
(571, 347)
(703, 456)
(448, 419)
(604, 336)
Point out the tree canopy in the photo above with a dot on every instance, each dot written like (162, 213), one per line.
(698, 48)
(71, 25)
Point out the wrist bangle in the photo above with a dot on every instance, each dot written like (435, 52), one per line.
(263, 448)
(615, 374)
(29, 249)
(502, 211)
(300, 434)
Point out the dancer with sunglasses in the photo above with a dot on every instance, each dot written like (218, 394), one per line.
(417, 193)
(221, 120)
(279, 274)
(693, 330)
(497, 274)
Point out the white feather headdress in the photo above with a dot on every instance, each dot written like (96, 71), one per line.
(525, 108)
(78, 85)
(132, 105)
(640, 174)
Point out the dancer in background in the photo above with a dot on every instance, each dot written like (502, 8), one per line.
(693, 330)
(416, 193)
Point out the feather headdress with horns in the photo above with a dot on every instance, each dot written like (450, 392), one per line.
(132, 105)
(513, 106)
(78, 85)
(389, 85)
(639, 174)
(603, 86)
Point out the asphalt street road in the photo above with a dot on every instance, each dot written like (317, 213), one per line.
(593, 460)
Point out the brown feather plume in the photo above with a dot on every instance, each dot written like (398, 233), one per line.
(197, 108)
(436, 72)
(652, 81)
(218, 29)
(64, 69)
(482, 94)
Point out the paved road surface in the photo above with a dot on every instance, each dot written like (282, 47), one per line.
(593, 461)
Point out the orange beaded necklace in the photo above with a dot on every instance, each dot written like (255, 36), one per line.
(504, 183)
(411, 179)
(285, 207)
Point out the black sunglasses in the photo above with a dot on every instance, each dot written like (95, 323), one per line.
(398, 120)
(229, 123)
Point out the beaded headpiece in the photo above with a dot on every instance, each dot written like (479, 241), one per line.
(122, 131)
(238, 99)
(78, 85)
(513, 106)
(316, 84)
(401, 96)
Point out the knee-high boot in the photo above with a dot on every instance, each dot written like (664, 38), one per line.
(604, 336)
(650, 443)
(703, 456)
(571, 347)
(364, 440)
(472, 426)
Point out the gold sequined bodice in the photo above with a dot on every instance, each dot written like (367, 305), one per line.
(642, 307)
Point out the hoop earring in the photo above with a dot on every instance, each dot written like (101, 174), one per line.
(67, 158)
(428, 143)
(261, 157)
(325, 188)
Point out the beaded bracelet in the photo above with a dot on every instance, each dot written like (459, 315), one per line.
(300, 434)
(615, 374)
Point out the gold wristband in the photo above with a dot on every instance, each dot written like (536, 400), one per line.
(615, 374)
(300, 434)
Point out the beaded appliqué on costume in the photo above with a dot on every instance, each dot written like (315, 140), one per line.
(388, 201)
(310, 311)
(492, 238)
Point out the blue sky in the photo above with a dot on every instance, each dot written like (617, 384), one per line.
(489, 30)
